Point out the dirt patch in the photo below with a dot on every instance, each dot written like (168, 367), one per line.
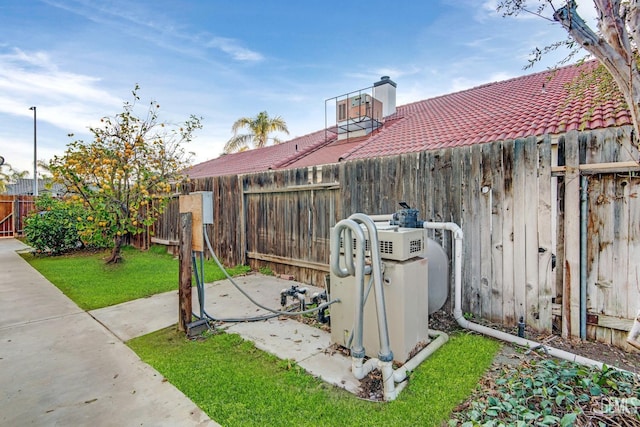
(607, 354)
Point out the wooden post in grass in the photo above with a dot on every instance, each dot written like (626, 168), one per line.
(184, 288)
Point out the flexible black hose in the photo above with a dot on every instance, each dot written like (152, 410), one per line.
(276, 312)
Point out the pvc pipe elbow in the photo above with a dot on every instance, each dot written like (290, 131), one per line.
(360, 369)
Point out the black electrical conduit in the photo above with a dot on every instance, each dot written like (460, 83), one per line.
(275, 313)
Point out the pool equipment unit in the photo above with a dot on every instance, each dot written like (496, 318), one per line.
(383, 310)
(404, 278)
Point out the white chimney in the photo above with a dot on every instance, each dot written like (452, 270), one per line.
(385, 92)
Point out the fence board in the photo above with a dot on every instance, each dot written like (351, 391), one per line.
(508, 247)
(531, 245)
(621, 244)
(544, 218)
(483, 194)
(497, 218)
(471, 161)
(571, 286)
(520, 196)
(633, 278)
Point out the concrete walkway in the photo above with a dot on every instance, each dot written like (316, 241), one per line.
(60, 367)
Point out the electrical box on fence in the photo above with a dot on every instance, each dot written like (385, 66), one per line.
(200, 204)
(406, 295)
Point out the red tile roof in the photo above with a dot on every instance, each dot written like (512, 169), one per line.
(256, 160)
(531, 105)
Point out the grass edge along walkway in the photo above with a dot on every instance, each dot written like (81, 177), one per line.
(84, 277)
(239, 385)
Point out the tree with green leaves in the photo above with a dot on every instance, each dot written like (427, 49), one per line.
(260, 128)
(123, 177)
(614, 45)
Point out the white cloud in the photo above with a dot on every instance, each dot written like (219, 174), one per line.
(66, 103)
(234, 49)
(32, 78)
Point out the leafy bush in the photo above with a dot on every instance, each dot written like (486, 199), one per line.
(55, 226)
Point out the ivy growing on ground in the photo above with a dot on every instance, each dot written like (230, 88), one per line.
(551, 393)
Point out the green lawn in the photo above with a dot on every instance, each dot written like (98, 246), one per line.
(90, 283)
(238, 385)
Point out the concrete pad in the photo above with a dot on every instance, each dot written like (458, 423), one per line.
(222, 300)
(284, 338)
(139, 317)
(333, 368)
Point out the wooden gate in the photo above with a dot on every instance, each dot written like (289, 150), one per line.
(613, 256)
(13, 210)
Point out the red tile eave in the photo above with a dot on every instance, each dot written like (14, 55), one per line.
(331, 153)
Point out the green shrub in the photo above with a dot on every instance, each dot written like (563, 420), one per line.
(53, 227)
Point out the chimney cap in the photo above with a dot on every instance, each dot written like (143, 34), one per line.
(385, 80)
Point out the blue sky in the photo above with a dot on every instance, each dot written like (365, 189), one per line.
(78, 60)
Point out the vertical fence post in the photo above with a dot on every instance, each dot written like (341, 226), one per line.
(571, 280)
(15, 211)
(184, 289)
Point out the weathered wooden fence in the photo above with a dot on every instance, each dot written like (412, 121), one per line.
(518, 203)
(13, 210)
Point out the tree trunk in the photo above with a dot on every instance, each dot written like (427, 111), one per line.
(115, 257)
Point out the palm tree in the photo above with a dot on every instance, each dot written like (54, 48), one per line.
(259, 129)
(9, 175)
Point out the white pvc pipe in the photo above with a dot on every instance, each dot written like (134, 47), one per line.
(390, 377)
(440, 338)
(458, 315)
(385, 353)
(634, 334)
(360, 368)
(359, 269)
